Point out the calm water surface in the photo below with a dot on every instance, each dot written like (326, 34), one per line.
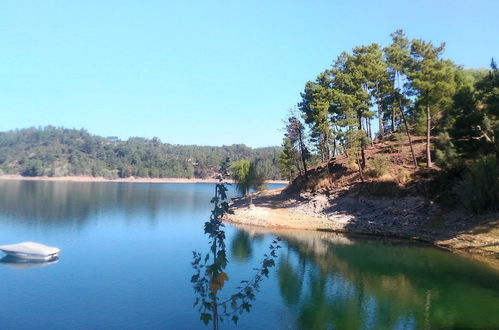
(126, 264)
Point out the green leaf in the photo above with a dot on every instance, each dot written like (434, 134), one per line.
(206, 318)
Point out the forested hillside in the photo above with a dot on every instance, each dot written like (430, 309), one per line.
(404, 90)
(51, 151)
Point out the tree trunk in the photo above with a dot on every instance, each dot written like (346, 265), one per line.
(371, 135)
(380, 118)
(302, 153)
(326, 144)
(393, 119)
(428, 136)
(322, 147)
(405, 122)
(408, 136)
(298, 166)
(400, 101)
(329, 174)
(369, 130)
(361, 174)
(362, 145)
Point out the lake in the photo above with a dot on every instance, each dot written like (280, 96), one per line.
(126, 264)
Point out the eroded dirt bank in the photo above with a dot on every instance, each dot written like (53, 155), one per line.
(402, 217)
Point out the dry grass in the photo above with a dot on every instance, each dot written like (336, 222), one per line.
(389, 160)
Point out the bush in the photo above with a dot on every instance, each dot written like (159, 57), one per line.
(33, 168)
(478, 191)
(378, 166)
(403, 176)
(400, 137)
(352, 162)
(246, 176)
(445, 153)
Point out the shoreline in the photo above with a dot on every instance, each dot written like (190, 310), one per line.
(409, 218)
(16, 177)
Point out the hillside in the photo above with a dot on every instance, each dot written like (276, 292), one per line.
(52, 151)
(395, 200)
(389, 166)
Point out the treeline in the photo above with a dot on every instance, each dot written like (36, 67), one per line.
(406, 87)
(51, 151)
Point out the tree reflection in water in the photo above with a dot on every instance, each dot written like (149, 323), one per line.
(331, 281)
(241, 246)
(209, 276)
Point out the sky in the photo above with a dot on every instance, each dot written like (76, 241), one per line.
(202, 72)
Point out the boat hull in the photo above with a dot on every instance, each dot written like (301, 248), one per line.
(29, 256)
(30, 251)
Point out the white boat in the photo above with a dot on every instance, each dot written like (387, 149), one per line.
(31, 251)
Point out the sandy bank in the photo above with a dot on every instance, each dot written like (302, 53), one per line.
(130, 179)
(405, 217)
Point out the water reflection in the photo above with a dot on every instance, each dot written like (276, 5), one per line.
(331, 281)
(320, 280)
(241, 247)
(21, 264)
(210, 276)
(59, 204)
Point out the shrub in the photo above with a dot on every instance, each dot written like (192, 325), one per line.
(478, 191)
(378, 166)
(246, 176)
(445, 153)
(403, 176)
(400, 137)
(33, 168)
(352, 162)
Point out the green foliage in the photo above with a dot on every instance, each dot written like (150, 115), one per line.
(409, 83)
(446, 155)
(379, 166)
(315, 106)
(479, 189)
(246, 176)
(209, 271)
(296, 135)
(287, 160)
(400, 137)
(473, 121)
(33, 167)
(61, 152)
(432, 81)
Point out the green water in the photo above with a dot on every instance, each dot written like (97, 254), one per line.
(126, 264)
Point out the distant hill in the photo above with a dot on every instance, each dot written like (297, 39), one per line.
(55, 151)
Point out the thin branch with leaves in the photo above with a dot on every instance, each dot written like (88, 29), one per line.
(209, 276)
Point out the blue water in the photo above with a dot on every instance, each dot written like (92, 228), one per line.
(126, 264)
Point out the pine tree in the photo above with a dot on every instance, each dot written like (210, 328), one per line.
(432, 80)
(397, 58)
(315, 104)
(295, 131)
(287, 160)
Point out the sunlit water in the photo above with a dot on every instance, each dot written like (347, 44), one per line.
(126, 264)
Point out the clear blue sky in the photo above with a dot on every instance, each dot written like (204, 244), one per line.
(176, 69)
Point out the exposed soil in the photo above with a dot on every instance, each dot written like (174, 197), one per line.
(404, 217)
(395, 204)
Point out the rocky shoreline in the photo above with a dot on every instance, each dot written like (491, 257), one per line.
(408, 217)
